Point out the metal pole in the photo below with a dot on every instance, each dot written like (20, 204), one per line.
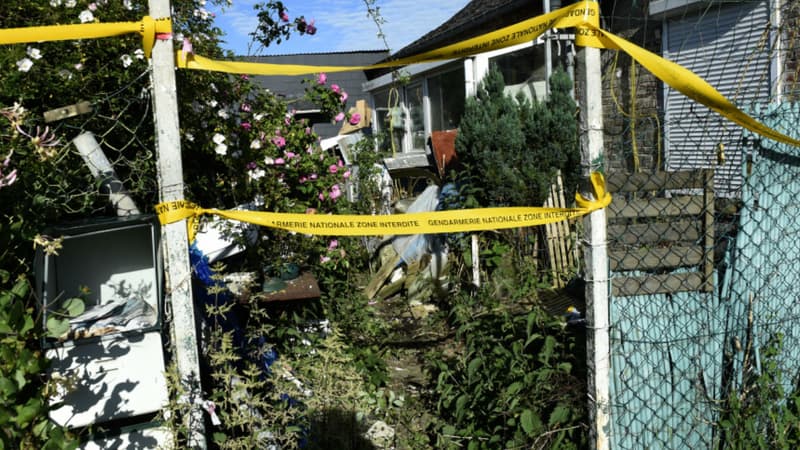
(595, 251)
(174, 235)
(548, 52)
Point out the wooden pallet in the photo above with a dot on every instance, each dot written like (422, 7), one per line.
(559, 237)
(668, 237)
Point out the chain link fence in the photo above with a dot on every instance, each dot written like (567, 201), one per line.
(703, 230)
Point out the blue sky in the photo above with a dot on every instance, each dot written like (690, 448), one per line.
(342, 25)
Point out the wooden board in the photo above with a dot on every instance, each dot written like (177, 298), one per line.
(658, 181)
(303, 287)
(684, 205)
(685, 230)
(658, 284)
(644, 258)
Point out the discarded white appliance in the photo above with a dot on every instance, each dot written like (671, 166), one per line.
(112, 356)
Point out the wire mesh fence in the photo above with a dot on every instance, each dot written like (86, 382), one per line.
(703, 230)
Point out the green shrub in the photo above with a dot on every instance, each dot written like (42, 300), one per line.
(511, 148)
(761, 414)
(513, 380)
(24, 423)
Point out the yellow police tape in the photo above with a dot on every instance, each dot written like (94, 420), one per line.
(147, 28)
(522, 32)
(583, 16)
(454, 221)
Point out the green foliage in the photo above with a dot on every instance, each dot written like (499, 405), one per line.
(515, 382)
(275, 25)
(760, 414)
(511, 148)
(23, 418)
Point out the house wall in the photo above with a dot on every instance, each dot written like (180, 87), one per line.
(631, 95)
(789, 12)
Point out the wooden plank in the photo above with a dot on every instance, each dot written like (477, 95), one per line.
(658, 284)
(301, 288)
(684, 205)
(656, 258)
(621, 182)
(562, 227)
(550, 238)
(686, 230)
(380, 277)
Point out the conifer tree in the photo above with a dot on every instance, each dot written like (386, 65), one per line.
(511, 148)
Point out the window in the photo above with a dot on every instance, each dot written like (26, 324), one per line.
(389, 119)
(524, 72)
(434, 100)
(432, 103)
(416, 118)
(446, 96)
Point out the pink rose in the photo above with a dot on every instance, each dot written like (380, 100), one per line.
(335, 192)
(323, 259)
(333, 244)
(333, 168)
(321, 196)
(284, 16)
(290, 155)
(336, 88)
(280, 141)
(340, 163)
(343, 97)
(346, 174)
(313, 176)
(279, 161)
(303, 179)
(339, 117)
(322, 78)
(246, 126)
(308, 130)
(246, 107)
(355, 119)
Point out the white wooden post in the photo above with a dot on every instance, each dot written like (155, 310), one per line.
(595, 252)
(174, 236)
(476, 263)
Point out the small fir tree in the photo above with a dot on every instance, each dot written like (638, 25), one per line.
(511, 148)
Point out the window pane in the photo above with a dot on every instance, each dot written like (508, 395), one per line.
(446, 93)
(523, 71)
(385, 119)
(415, 115)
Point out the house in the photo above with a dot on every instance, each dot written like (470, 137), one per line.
(746, 50)
(292, 89)
(433, 98)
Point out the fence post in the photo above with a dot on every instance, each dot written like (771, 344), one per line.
(174, 236)
(595, 251)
